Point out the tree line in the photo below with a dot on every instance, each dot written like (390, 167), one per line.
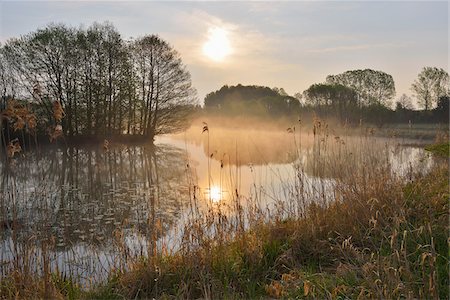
(368, 95)
(92, 82)
(350, 97)
(105, 85)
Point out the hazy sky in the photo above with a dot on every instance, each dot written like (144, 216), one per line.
(283, 44)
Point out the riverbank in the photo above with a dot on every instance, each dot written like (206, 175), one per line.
(440, 149)
(421, 134)
(389, 242)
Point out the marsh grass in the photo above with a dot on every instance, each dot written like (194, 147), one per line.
(380, 245)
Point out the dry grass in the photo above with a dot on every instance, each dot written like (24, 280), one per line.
(381, 245)
(381, 236)
(18, 285)
(388, 243)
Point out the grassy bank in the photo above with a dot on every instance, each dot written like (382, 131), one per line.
(388, 242)
(441, 149)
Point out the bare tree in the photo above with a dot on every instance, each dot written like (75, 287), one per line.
(163, 86)
(105, 85)
(8, 82)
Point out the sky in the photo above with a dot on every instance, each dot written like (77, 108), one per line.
(290, 45)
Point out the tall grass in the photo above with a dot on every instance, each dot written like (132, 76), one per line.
(368, 233)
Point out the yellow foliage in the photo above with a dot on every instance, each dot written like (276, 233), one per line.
(55, 133)
(58, 111)
(307, 287)
(106, 145)
(13, 148)
(19, 116)
(275, 289)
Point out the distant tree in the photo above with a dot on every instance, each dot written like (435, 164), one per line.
(443, 103)
(252, 99)
(340, 98)
(378, 114)
(442, 109)
(280, 91)
(276, 90)
(431, 84)
(299, 96)
(372, 87)
(404, 102)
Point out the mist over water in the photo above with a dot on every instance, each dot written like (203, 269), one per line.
(84, 200)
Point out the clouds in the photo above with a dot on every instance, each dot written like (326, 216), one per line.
(285, 44)
(356, 47)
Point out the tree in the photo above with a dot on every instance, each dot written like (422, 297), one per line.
(372, 87)
(105, 85)
(251, 99)
(280, 91)
(299, 97)
(404, 102)
(442, 109)
(78, 68)
(431, 84)
(41, 62)
(164, 86)
(337, 97)
(8, 82)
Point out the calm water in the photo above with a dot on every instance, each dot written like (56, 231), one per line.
(94, 208)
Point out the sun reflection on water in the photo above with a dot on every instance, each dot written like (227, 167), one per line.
(215, 194)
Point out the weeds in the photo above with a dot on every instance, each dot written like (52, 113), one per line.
(439, 149)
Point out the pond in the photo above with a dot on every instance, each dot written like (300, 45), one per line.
(88, 210)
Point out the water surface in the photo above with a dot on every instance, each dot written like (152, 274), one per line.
(90, 210)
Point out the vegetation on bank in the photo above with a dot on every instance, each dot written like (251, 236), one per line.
(375, 245)
(347, 105)
(442, 149)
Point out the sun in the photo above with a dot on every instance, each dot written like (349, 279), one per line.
(215, 194)
(217, 47)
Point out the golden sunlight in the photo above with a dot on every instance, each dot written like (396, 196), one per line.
(215, 194)
(217, 47)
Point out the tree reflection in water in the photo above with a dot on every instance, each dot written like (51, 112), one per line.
(85, 198)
